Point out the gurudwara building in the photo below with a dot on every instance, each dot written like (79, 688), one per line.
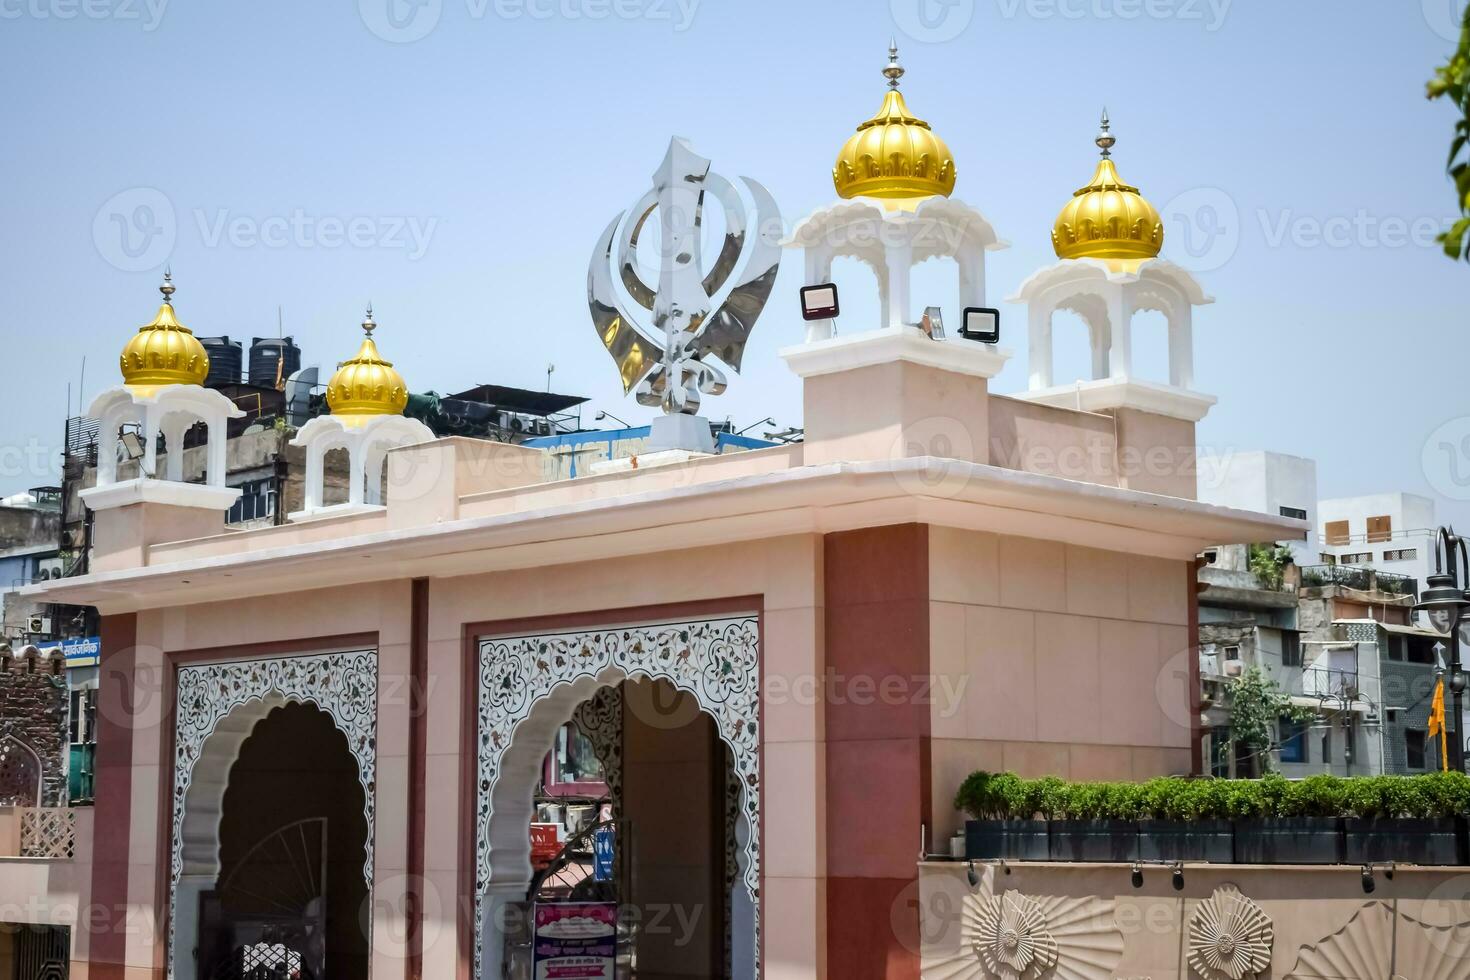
(328, 748)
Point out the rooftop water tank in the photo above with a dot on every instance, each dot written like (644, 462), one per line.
(265, 353)
(225, 359)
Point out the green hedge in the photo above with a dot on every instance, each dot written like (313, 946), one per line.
(1006, 796)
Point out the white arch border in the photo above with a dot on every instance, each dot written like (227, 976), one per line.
(344, 685)
(716, 660)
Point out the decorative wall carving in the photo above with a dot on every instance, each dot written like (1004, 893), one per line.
(1016, 937)
(600, 718)
(344, 685)
(716, 660)
(20, 773)
(1372, 945)
(1230, 937)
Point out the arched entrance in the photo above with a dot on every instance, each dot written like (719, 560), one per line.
(220, 853)
(531, 685)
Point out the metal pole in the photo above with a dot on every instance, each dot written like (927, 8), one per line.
(1457, 757)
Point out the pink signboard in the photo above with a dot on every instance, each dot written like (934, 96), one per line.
(576, 941)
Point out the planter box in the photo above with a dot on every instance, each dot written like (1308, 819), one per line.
(1015, 840)
(1408, 841)
(1094, 840)
(1289, 840)
(1176, 840)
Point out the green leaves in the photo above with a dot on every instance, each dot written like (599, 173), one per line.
(1006, 796)
(1452, 81)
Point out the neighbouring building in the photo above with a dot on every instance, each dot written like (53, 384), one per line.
(1268, 483)
(1390, 532)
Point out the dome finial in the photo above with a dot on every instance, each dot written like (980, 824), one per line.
(1105, 138)
(368, 324)
(167, 288)
(894, 71)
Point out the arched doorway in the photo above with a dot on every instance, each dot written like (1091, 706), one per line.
(291, 835)
(532, 685)
(220, 707)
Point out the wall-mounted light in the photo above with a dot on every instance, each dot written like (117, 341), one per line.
(1137, 876)
(981, 324)
(972, 874)
(1368, 883)
(933, 323)
(1178, 877)
(819, 302)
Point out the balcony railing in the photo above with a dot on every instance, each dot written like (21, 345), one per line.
(1329, 682)
(1359, 578)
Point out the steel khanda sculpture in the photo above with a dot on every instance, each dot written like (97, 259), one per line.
(668, 362)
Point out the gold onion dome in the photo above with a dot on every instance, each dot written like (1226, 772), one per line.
(894, 156)
(164, 352)
(1108, 219)
(367, 384)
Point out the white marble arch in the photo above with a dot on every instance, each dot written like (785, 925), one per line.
(167, 409)
(1107, 299)
(891, 243)
(367, 440)
(217, 706)
(532, 684)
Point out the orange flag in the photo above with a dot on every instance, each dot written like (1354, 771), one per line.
(1436, 723)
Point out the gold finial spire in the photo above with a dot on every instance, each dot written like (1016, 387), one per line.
(164, 352)
(894, 156)
(894, 71)
(1105, 138)
(1108, 219)
(366, 385)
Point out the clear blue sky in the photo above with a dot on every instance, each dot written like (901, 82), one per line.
(512, 130)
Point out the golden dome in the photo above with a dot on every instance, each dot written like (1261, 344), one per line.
(164, 352)
(367, 385)
(894, 156)
(1108, 219)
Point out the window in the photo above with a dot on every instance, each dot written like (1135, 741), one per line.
(1414, 748)
(1336, 533)
(1296, 512)
(1420, 652)
(1232, 652)
(1291, 648)
(1401, 554)
(1220, 746)
(1327, 559)
(1396, 648)
(1357, 558)
(82, 722)
(257, 500)
(1293, 740)
(1379, 529)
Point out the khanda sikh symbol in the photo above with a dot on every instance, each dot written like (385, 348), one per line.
(668, 364)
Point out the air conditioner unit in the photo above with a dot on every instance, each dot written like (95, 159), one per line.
(40, 625)
(1233, 668)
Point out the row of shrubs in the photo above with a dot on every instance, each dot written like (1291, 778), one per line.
(1006, 796)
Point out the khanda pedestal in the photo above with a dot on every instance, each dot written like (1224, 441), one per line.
(667, 361)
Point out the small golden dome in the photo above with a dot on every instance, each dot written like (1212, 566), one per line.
(164, 352)
(367, 384)
(1108, 219)
(894, 156)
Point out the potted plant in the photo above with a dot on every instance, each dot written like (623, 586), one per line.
(1281, 822)
(1003, 807)
(1414, 820)
(1180, 820)
(1098, 822)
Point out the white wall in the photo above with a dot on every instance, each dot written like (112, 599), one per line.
(1264, 482)
(1413, 521)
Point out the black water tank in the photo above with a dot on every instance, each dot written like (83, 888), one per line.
(225, 359)
(265, 352)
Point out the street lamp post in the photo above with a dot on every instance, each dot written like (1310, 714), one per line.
(1445, 603)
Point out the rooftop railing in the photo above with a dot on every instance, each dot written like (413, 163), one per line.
(1359, 578)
